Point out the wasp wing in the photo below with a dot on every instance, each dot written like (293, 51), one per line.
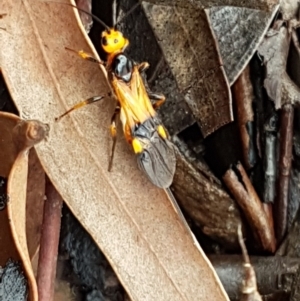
(139, 89)
(134, 99)
(157, 160)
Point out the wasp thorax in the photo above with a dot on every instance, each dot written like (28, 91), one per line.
(113, 41)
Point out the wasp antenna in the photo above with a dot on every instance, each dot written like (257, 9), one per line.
(84, 11)
(127, 14)
(114, 12)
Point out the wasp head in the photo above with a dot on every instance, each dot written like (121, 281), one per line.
(113, 41)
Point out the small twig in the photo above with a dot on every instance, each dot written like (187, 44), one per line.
(270, 162)
(249, 289)
(270, 168)
(268, 209)
(285, 162)
(259, 101)
(49, 244)
(240, 186)
(243, 246)
(274, 273)
(243, 93)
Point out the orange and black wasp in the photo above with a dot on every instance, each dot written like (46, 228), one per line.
(136, 106)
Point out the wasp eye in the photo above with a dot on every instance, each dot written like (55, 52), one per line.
(104, 41)
(116, 41)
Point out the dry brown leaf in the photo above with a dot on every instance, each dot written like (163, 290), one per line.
(34, 196)
(207, 49)
(194, 64)
(17, 137)
(131, 220)
(238, 32)
(256, 4)
(8, 155)
(274, 50)
(34, 202)
(203, 198)
(17, 213)
(28, 134)
(87, 20)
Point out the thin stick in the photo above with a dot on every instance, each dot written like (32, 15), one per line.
(285, 163)
(244, 193)
(49, 244)
(249, 289)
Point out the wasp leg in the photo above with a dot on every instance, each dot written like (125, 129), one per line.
(143, 66)
(85, 56)
(157, 99)
(80, 105)
(113, 132)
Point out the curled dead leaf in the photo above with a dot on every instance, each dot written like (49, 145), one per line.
(17, 137)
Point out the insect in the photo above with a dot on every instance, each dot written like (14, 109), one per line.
(136, 106)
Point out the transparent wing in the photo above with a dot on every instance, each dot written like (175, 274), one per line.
(158, 161)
